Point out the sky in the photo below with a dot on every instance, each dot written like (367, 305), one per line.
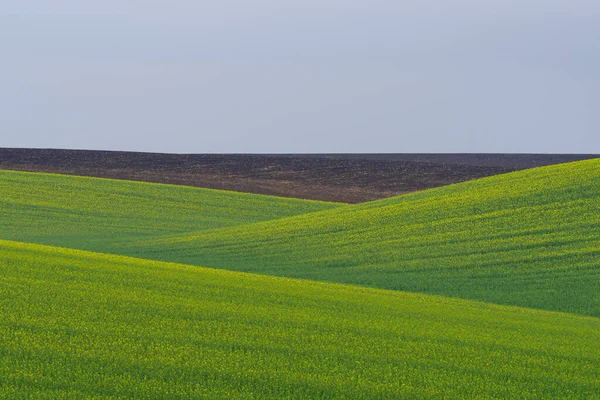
(309, 76)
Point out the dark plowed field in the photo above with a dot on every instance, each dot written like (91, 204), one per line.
(348, 178)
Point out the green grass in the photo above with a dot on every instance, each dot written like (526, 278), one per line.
(530, 238)
(91, 213)
(77, 324)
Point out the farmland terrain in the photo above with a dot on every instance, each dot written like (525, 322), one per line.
(84, 212)
(529, 238)
(488, 288)
(349, 178)
(77, 324)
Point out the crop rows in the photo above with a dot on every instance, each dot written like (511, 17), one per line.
(89, 213)
(79, 324)
(529, 238)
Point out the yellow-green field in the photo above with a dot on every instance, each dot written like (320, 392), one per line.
(77, 324)
(87, 212)
(485, 289)
(529, 238)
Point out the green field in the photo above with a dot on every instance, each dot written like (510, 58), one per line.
(79, 324)
(529, 238)
(92, 213)
(484, 289)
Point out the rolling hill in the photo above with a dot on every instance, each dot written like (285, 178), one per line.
(87, 213)
(78, 324)
(529, 238)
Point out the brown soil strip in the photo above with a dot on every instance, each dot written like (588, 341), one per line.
(350, 178)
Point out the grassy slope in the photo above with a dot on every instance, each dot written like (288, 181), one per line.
(81, 324)
(88, 212)
(529, 238)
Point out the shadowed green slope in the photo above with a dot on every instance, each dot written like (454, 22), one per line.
(91, 213)
(78, 324)
(529, 238)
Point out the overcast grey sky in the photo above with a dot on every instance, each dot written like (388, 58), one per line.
(296, 76)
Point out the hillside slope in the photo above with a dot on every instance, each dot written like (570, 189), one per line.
(87, 212)
(529, 238)
(79, 324)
